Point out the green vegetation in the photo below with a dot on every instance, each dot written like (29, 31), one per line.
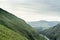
(7, 34)
(14, 28)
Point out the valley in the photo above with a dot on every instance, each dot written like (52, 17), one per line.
(49, 29)
(14, 28)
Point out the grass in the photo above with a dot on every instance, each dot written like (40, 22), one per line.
(7, 34)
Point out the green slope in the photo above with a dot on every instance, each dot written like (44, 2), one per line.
(18, 25)
(7, 34)
(53, 33)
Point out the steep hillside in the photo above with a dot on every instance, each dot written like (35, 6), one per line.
(7, 34)
(53, 33)
(16, 28)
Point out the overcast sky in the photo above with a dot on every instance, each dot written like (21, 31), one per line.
(33, 10)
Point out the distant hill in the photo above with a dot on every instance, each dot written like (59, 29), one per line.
(14, 28)
(41, 25)
(53, 33)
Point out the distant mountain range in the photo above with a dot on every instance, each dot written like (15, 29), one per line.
(51, 29)
(14, 28)
(41, 25)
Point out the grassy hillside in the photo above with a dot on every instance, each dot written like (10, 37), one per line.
(53, 33)
(7, 34)
(13, 24)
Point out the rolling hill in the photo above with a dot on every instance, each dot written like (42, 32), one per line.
(14, 28)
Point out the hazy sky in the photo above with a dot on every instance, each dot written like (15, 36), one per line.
(33, 10)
